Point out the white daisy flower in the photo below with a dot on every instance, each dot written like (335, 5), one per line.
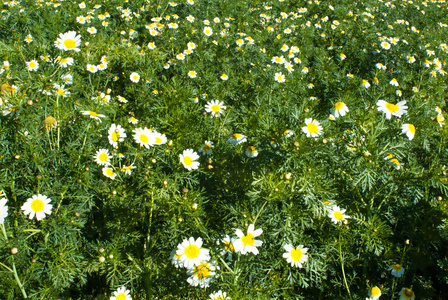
(144, 137)
(312, 128)
(188, 159)
(295, 256)
(246, 242)
(207, 148)
(102, 157)
(339, 109)
(392, 109)
(236, 139)
(109, 172)
(201, 275)
(215, 107)
(191, 252)
(121, 294)
(68, 41)
(409, 130)
(3, 210)
(337, 214)
(135, 77)
(38, 205)
(116, 134)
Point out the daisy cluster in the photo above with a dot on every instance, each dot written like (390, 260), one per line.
(331, 97)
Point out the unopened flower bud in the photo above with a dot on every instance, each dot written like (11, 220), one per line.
(101, 259)
(14, 251)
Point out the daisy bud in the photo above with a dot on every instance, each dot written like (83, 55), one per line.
(194, 206)
(440, 198)
(185, 190)
(101, 259)
(170, 143)
(77, 214)
(288, 176)
(17, 156)
(101, 250)
(111, 256)
(14, 251)
(180, 219)
(29, 102)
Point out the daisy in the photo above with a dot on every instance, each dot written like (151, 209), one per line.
(180, 56)
(201, 275)
(92, 30)
(396, 270)
(32, 65)
(289, 67)
(385, 45)
(246, 243)
(394, 82)
(93, 115)
(236, 139)
(188, 159)
(240, 42)
(312, 128)
(121, 294)
(228, 246)
(224, 77)
(39, 205)
(440, 119)
(278, 60)
(133, 120)
(207, 148)
(279, 77)
(109, 172)
(3, 210)
(339, 109)
(191, 252)
(295, 256)
(128, 169)
(151, 45)
(68, 41)
(219, 295)
(251, 151)
(192, 74)
(215, 107)
(380, 66)
(208, 31)
(410, 59)
(409, 130)
(305, 70)
(122, 99)
(102, 66)
(102, 157)
(159, 138)
(175, 259)
(92, 68)
(392, 109)
(191, 46)
(406, 294)
(144, 137)
(365, 84)
(65, 62)
(116, 134)
(28, 38)
(81, 20)
(134, 77)
(288, 133)
(337, 215)
(374, 293)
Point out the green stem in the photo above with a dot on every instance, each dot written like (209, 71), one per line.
(259, 212)
(150, 221)
(226, 265)
(342, 266)
(13, 270)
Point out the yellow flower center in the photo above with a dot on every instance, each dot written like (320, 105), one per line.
(411, 128)
(61, 92)
(37, 205)
(375, 291)
(338, 216)
(187, 160)
(392, 107)
(338, 105)
(144, 139)
(192, 251)
(251, 149)
(32, 64)
(248, 239)
(158, 140)
(177, 256)
(236, 136)
(395, 161)
(220, 298)
(93, 114)
(216, 108)
(109, 172)
(408, 293)
(115, 136)
(206, 148)
(312, 128)
(103, 157)
(397, 267)
(69, 44)
(296, 254)
(202, 271)
(121, 296)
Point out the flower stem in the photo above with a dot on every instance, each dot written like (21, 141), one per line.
(342, 266)
(13, 270)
